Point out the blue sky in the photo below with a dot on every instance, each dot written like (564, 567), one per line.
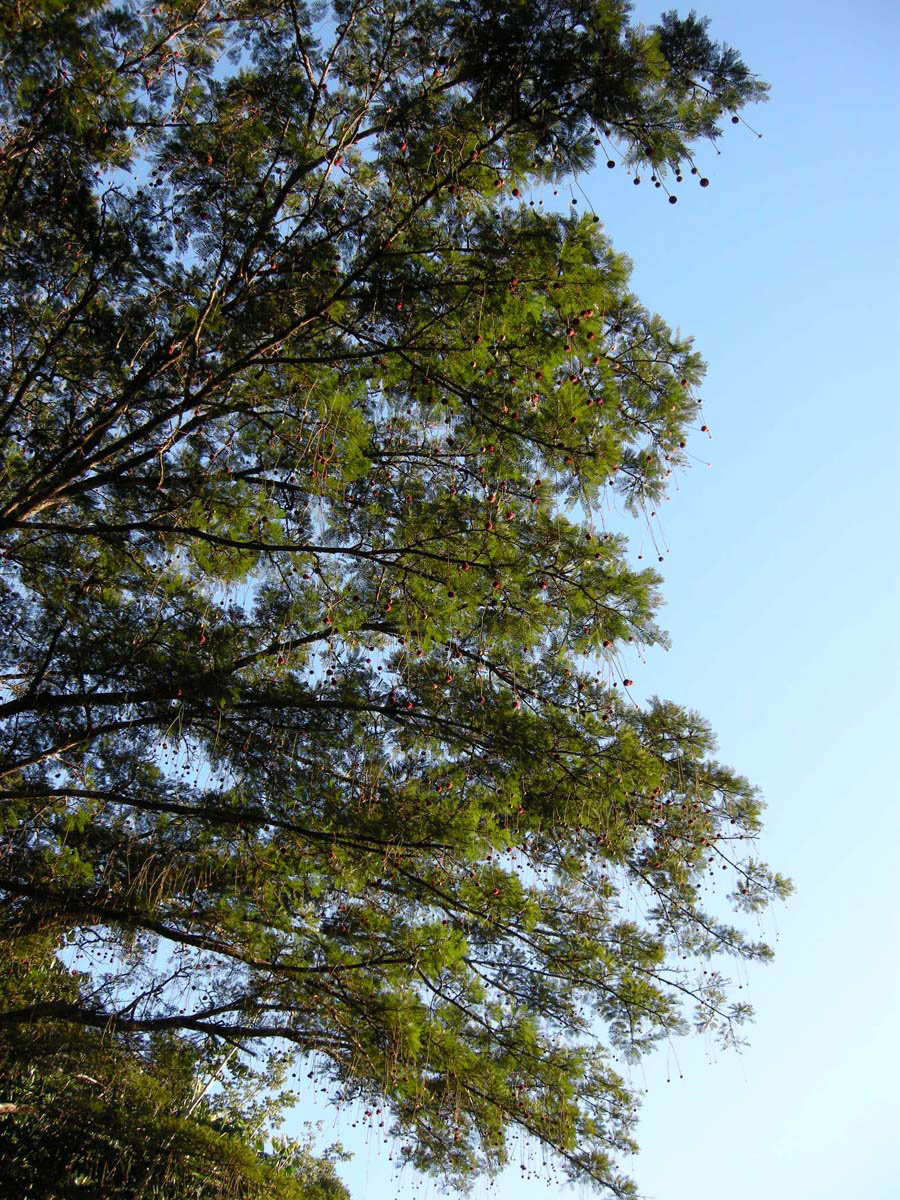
(782, 603)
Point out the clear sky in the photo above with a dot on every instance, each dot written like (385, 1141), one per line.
(783, 604)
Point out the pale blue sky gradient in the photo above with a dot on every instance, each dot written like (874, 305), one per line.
(782, 602)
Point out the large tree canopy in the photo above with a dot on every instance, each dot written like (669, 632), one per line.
(315, 723)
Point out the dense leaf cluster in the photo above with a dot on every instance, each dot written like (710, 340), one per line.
(315, 723)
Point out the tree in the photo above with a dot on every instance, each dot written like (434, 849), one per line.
(84, 1114)
(316, 730)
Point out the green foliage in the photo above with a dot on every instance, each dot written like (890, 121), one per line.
(90, 1114)
(315, 726)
